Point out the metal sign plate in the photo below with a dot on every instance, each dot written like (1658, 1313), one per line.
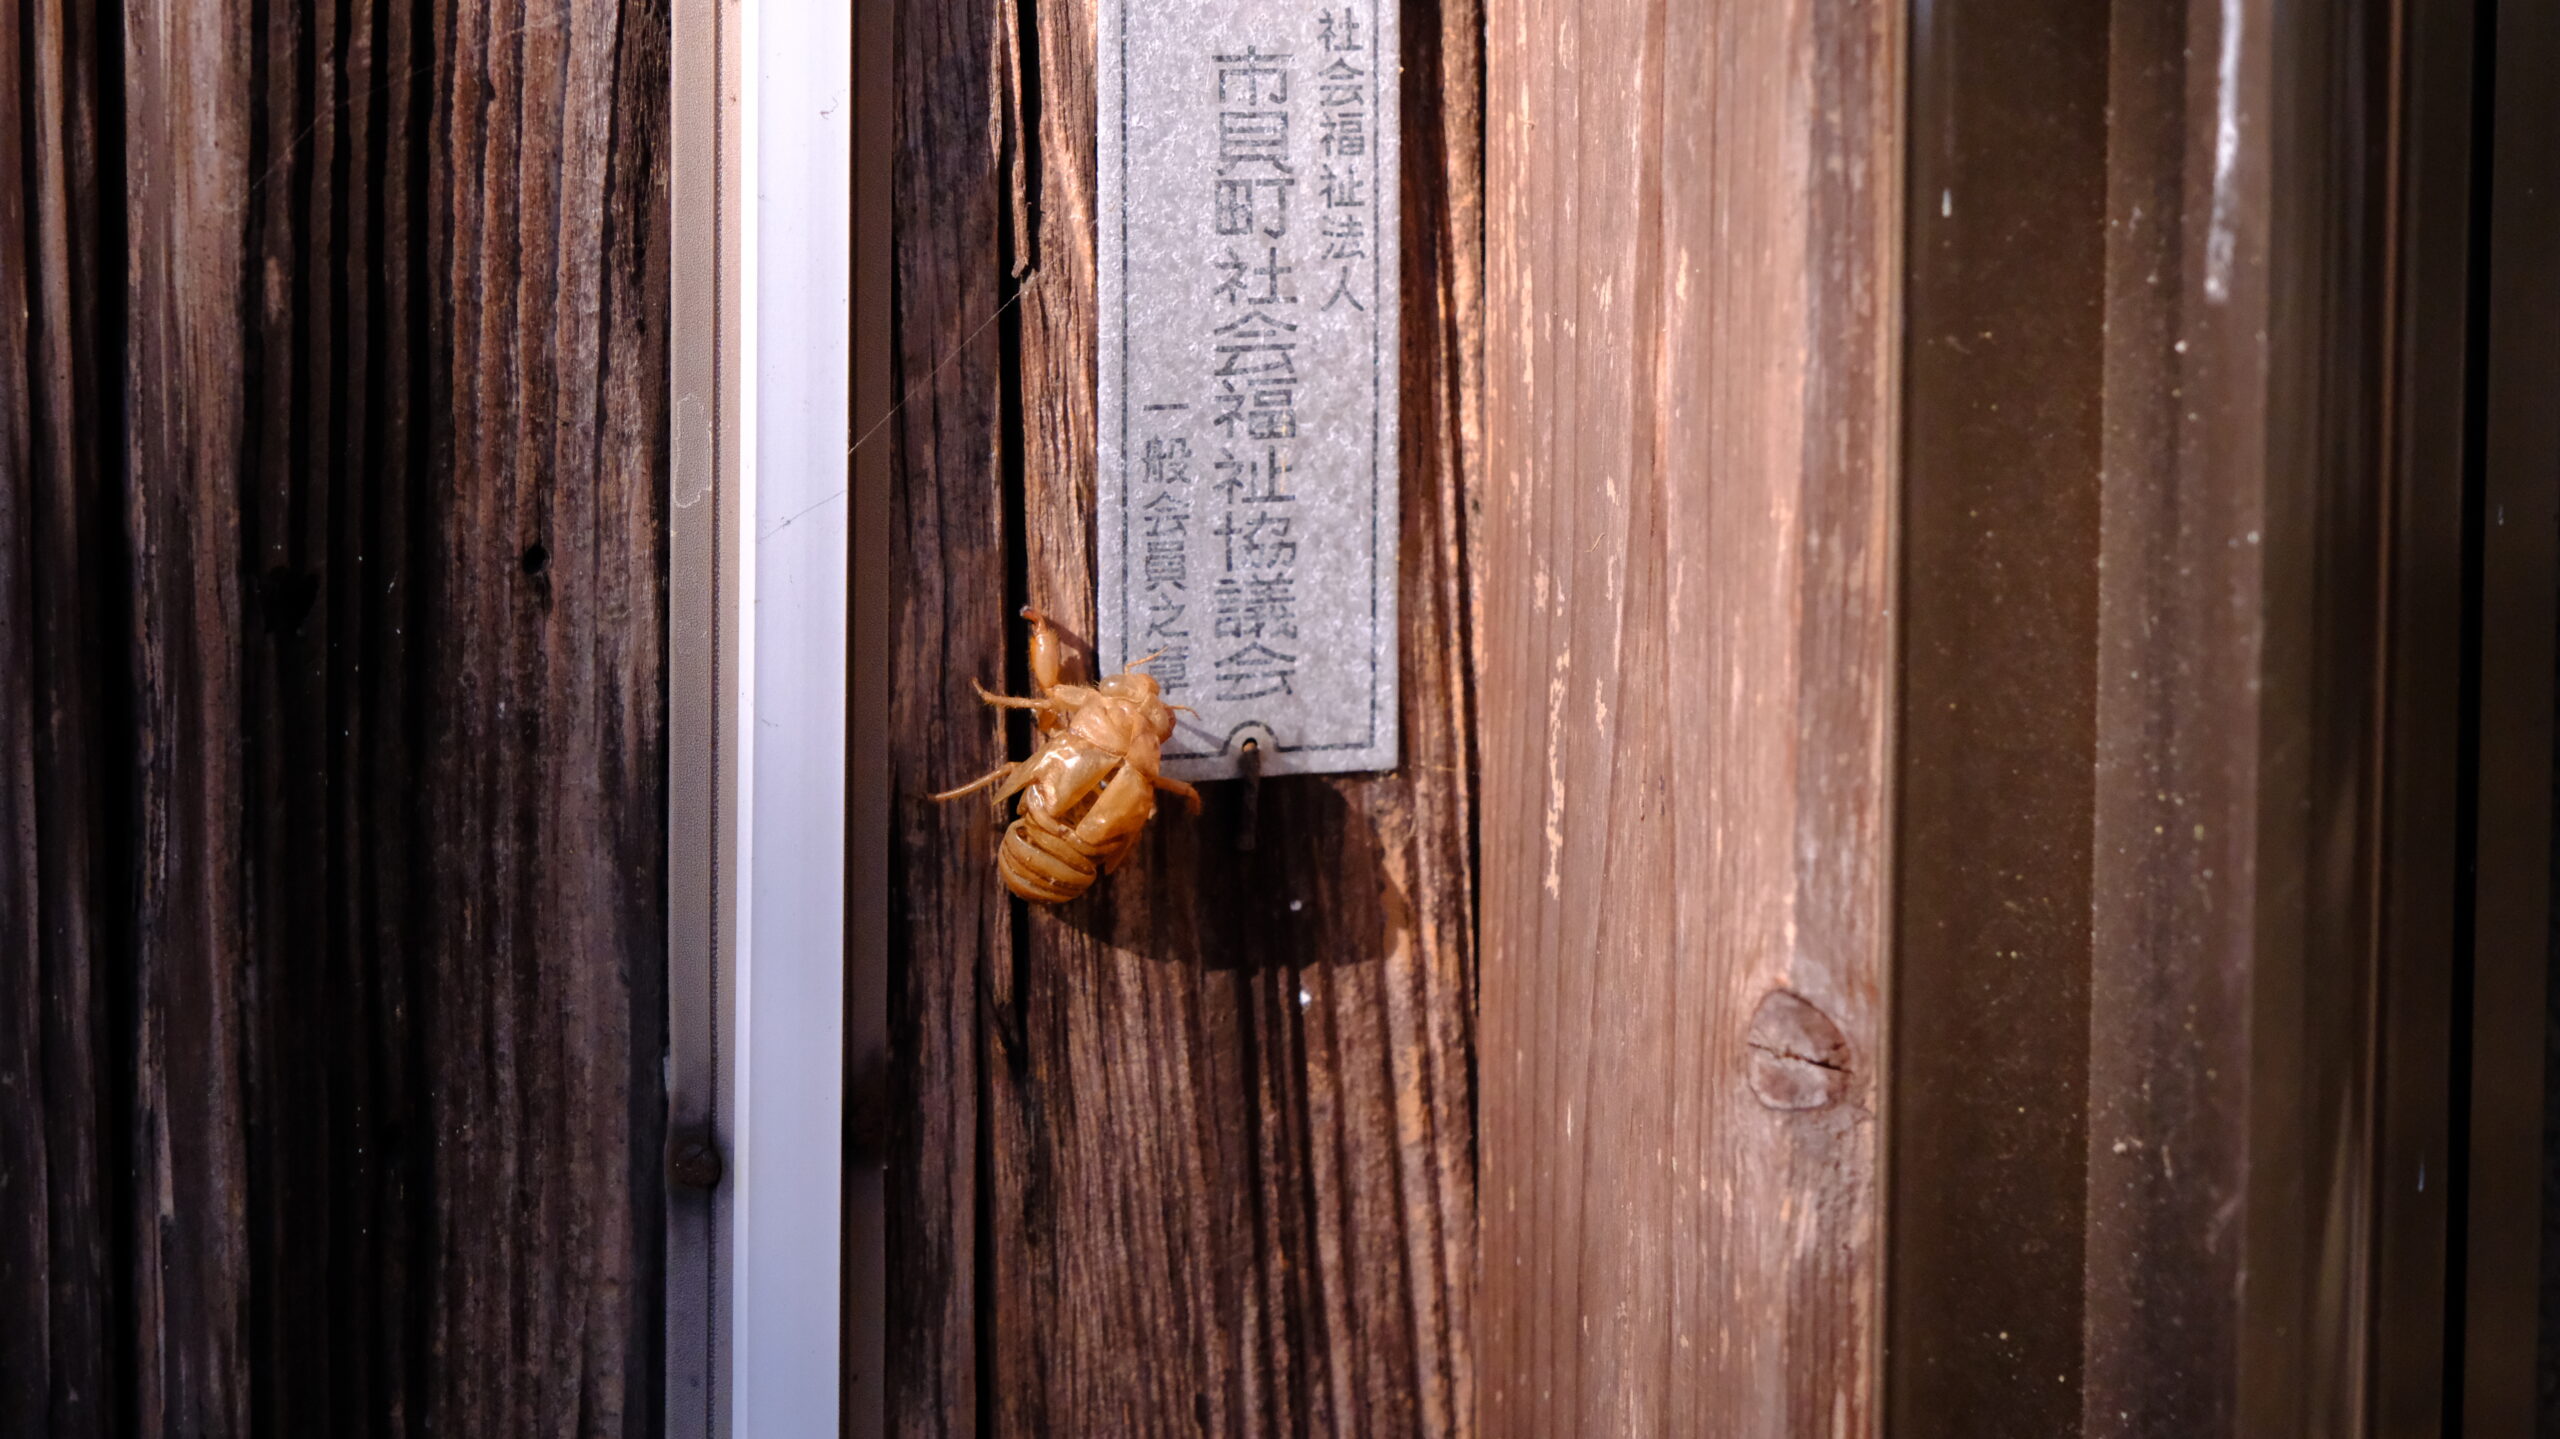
(1248, 263)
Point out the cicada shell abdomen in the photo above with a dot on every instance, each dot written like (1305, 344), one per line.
(1040, 860)
(1074, 827)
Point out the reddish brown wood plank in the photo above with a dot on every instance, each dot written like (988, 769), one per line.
(1694, 220)
(1217, 1115)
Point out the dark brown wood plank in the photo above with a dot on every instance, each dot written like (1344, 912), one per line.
(1695, 230)
(187, 78)
(1196, 1152)
(387, 808)
(547, 264)
(60, 682)
(948, 924)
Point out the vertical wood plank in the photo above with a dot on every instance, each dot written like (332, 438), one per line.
(187, 77)
(1196, 1152)
(1693, 317)
(61, 682)
(547, 258)
(948, 924)
(330, 600)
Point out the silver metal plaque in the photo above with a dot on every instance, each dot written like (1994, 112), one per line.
(1248, 265)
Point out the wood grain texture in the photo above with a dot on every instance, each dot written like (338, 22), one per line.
(1195, 1153)
(948, 922)
(366, 552)
(547, 261)
(1694, 221)
(60, 906)
(187, 178)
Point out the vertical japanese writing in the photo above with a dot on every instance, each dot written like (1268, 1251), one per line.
(1247, 491)
(1254, 378)
(1165, 508)
(1345, 179)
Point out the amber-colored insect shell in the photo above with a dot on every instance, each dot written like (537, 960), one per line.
(1086, 794)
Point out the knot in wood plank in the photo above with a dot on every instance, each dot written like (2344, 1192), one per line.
(1799, 1059)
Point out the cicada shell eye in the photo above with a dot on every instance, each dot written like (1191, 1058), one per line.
(1131, 685)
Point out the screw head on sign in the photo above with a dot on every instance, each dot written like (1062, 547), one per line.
(693, 1163)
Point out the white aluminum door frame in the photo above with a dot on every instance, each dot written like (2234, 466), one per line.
(758, 593)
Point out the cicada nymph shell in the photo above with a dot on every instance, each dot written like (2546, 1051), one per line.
(1087, 792)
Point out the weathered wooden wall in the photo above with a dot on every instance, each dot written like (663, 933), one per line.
(1194, 1153)
(331, 836)
(1692, 332)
